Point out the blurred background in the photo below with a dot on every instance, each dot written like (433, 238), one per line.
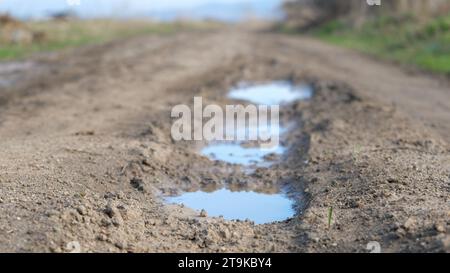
(166, 10)
(415, 32)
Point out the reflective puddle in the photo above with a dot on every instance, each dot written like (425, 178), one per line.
(257, 207)
(238, 154)
(241, 205)
(275, 93)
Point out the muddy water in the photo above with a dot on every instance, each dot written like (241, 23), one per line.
(241, 205)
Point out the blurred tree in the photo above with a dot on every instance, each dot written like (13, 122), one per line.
(318, 11)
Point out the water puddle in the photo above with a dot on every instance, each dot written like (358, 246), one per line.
(275, 93)
(239, 154)
(10, 72)
(258, 207)
(11, 67)
(247, 154)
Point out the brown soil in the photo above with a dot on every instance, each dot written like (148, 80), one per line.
(86, 152)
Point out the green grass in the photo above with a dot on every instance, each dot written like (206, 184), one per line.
(403, 39)
(330, 216)
(70, 34)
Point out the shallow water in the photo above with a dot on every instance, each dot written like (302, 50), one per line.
(241, 205)
(10, 72)
(274, 93)
(257, 207)
(237, 154)
(10, 67)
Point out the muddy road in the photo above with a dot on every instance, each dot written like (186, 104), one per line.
(87, 157)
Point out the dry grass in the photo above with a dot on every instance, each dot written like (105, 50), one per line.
(66, 34)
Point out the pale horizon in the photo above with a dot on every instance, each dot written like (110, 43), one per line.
(169, 9)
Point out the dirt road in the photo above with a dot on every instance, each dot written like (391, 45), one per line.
(80, 129)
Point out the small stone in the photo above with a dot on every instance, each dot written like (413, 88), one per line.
(392, 180)
(225, 233)
(120, 195)
(110, 211)
(51, 213)
(138, 184)
(55, 249)
(401, 232)
(440, 228)
(203, 213)
(117, 221)
(121, 245)
(106, 222)
(109, 195)
(410, 223)
(82, 210)
(85, 133)
(102, 237)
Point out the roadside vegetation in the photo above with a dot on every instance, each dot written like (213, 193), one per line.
(405, 39)
(21, 39)
(413, 32)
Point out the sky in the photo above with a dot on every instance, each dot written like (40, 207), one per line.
(162, 9)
